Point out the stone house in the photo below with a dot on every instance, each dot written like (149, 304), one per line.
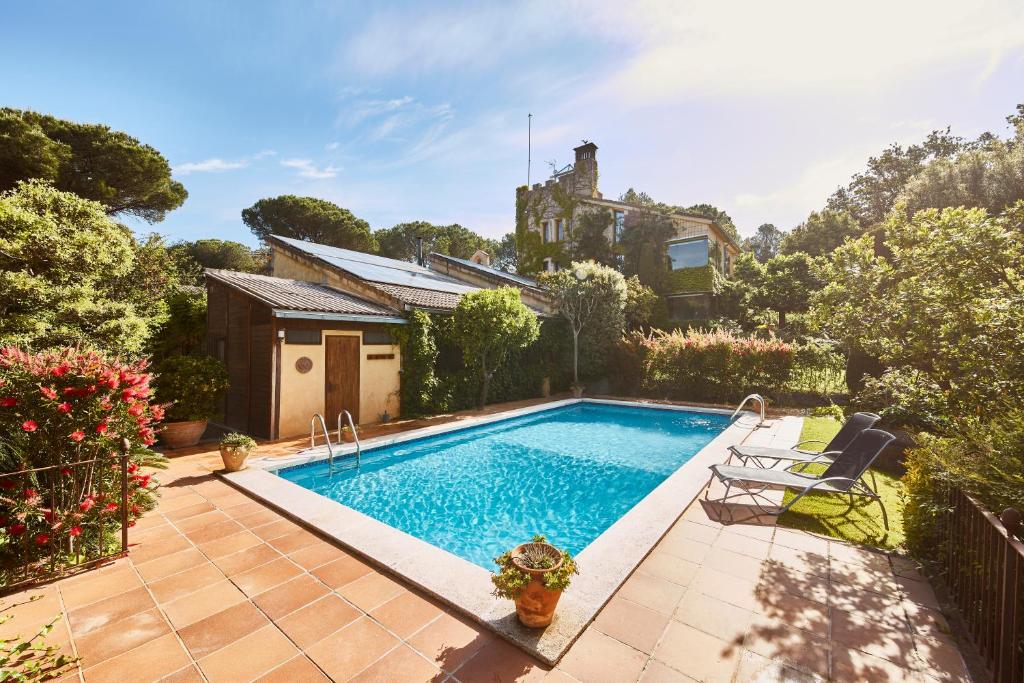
(696, 257)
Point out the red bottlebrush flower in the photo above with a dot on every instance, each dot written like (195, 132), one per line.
(29, 425)
(48, 515)
(16, 529)
(101, 428)
(135, 510)
(77, 435)
(112, 383)
(110, 507)
(132, 468)
(87, 504)
(67, 471)
(70, 391)
(64, 407)
(137, 409)
(157, 412)
(48, 392)
(8, 402)
(105, 404)
(127, 395)
(142, 391)
(60, 370)
(75, 531)
(42, 539)
(30, 493)
(131, 523)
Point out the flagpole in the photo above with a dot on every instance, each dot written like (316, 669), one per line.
(529, 143)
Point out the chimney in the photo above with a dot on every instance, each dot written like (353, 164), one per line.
(585, 170)
(481, 257)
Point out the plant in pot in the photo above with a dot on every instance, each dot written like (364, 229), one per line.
(346, 434)
(234, 449)
(577, 389)
(534, 575)
(193, 386)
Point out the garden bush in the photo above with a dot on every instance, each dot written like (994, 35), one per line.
(192, 386)
(62, 409)
(714, 366)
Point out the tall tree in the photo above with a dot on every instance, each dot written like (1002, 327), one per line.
(784, 284)
(489, 323)
(506, 256)
(193, 257)
(587, 293)
(311, 219)
(68, 274)
(721, 218)
(401, 241)
(589, 240)
(765, 243)
(821, 233)
(113, 168)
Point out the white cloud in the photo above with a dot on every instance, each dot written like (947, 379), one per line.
(307, 169)
(331, 146)
(214, 165)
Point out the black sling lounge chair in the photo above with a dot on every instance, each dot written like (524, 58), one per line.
(763, 456)
(842, 477)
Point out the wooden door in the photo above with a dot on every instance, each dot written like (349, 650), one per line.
(341, 379)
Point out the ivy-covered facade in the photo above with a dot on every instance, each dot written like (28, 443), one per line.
(555, 225)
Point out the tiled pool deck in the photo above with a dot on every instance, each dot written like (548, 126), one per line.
(220, 588)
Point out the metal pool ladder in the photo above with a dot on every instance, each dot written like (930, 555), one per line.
(752, 397)
(327, 439)
(355, 436)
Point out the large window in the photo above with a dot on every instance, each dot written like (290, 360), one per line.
(620, 225)
(688, 254)
(546, 227)
(560, 229)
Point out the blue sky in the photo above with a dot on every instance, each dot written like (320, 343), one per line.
(407, 111)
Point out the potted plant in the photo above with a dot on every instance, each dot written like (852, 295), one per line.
(534, 575)
(577, 389)
(193, 387)
(346, 434)
(234, 449)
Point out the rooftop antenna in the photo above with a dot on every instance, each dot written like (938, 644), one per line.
(529, 146)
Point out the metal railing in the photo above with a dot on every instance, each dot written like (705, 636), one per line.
(355, 435)
(983, 570)
(327, 438)
(750, 397)
(36, 505)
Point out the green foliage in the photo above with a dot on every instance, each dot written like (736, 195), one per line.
(784, 284)
(506, 254)
(982, 456)
(510, 581)
(489, 323)
(68, 274)
(309, 218)
(822, 233)
(419, 358)
(401, 241)
(590, 243)
(31, 659)
(643, 245)
(90, 160)
(592, 297)
(831, 515)
(721, 218)
(641, 304)
(236, 440)
(765, 243)
(942, 303)
(710, 366)
(693, 280)
(818, 368)
(193, 257)
(193, 385)
(184, 331)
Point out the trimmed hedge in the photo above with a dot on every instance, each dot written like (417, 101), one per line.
(704, 366)
(698, 279)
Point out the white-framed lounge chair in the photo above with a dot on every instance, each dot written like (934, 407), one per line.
(763, 456)
(842, 477)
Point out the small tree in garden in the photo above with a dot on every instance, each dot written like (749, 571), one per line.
(580, 293)
(74, 411)
(489, 323)
(191, 386)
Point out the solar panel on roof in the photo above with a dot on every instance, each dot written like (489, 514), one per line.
(525, 281)
(381, 269)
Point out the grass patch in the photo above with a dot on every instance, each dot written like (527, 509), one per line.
(829, 515)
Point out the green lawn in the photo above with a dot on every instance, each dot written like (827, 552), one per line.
(829, 515)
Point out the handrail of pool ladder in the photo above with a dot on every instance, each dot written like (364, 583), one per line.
(355, 437)
(752, 397)
(327, 439)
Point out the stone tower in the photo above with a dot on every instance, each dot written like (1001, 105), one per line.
(584, 171)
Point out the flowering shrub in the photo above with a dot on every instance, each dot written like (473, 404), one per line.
(711, 366)
(191, 386)
(65, 417)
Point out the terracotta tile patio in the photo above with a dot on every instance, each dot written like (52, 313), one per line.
(219, 588)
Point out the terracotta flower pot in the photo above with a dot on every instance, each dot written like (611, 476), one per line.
(535, 605)
(347, 436)
(234, 457)
(182, 434)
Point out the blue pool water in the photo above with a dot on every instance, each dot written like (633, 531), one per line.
(568, 473)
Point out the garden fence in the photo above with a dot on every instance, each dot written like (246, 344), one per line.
(25, 560)
(984, 574)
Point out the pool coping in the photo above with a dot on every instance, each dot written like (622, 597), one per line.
(467, 587)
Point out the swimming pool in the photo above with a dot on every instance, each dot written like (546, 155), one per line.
(568, 472)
